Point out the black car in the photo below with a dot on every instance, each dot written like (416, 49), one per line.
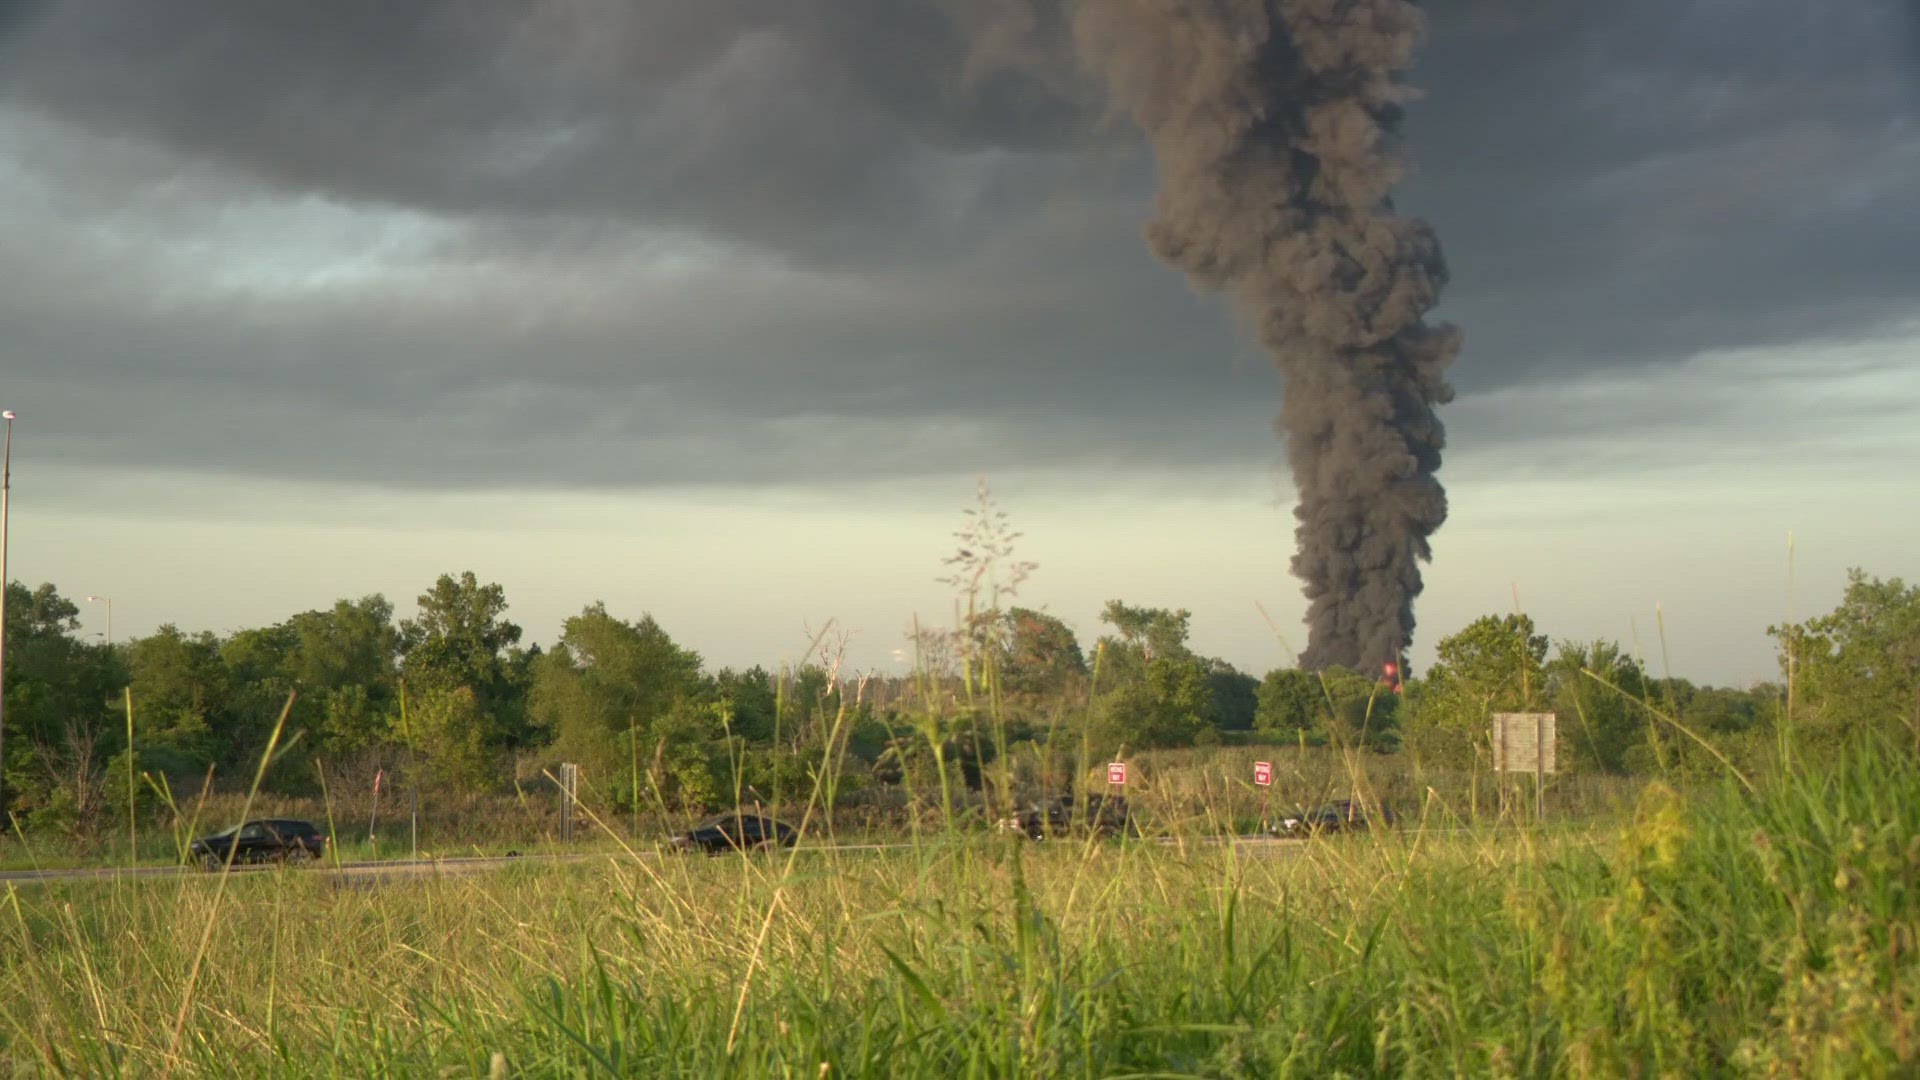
(1346, 815)
(265, 840)
(735, 831)
(1102, 815)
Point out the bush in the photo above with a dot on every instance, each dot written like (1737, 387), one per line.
(113, 785)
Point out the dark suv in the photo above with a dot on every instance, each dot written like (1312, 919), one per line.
(266, 840)
(735, 831)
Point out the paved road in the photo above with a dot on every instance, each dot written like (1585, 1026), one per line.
(393, 867)
(1257, 845)
(381, 868)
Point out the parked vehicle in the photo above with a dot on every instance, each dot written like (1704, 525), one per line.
(266, 840)
(735, 831)
(1102, 815)
(1346, 815)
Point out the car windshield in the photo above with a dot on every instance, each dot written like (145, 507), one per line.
(721, 821)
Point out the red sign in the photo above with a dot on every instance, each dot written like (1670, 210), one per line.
(1117, 773)
(1263, 773)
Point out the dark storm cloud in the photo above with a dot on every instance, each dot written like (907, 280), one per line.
(809, 125)
(905, 249)
(1636, 181)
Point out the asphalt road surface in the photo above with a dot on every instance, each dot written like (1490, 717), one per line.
(401, 868)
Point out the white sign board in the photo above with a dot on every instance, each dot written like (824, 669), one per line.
(1524, 743)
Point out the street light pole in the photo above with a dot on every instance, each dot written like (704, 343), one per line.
(107, 600)
(6, 487)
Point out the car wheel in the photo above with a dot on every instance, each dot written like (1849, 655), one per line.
(300, 854)
(210, 862)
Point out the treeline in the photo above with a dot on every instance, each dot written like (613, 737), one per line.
(450, 698)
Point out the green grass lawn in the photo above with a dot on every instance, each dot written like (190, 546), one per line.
(1721, 933)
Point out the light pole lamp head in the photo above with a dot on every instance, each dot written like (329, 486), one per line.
(8, 415)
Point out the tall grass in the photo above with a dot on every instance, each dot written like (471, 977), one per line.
(1713, 933)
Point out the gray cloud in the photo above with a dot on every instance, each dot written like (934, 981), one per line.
(1637, 181)
(910, 270)
(821, 127)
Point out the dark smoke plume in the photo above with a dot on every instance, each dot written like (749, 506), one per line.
(1274, 124)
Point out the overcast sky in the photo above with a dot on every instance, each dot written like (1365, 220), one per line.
(716, 310)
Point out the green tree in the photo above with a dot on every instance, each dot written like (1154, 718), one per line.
(1495, 664)
(257, 683)
(679, 768)
(57, 690)
(446, 729)
(605, 689)
(1738, 723)
(114, 786)
(1857, 668)
(1041, 655)
(340, 661)
(343, 662)
(1290, 701)
(1602, 727)
(182, 696)
(1155, 632)
(1358, 710)
(1335, 705)
(1157, 692)
(1236, 701)
(54, 677)
(1169, 704)
(1719, 713)
(462, 640)
(749, 701)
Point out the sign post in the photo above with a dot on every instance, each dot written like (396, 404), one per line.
(1523, 743)
(373, 816)
(1263, 779)
(569, 791)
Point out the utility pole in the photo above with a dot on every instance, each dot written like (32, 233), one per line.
(107, 600)
(133, 835)
(6, 487)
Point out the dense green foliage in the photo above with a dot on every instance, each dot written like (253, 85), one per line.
(1857, 668)
(450, 699)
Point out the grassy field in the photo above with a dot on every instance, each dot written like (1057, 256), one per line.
(1717, 933)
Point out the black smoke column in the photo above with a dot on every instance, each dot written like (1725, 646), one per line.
(1274, 124)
